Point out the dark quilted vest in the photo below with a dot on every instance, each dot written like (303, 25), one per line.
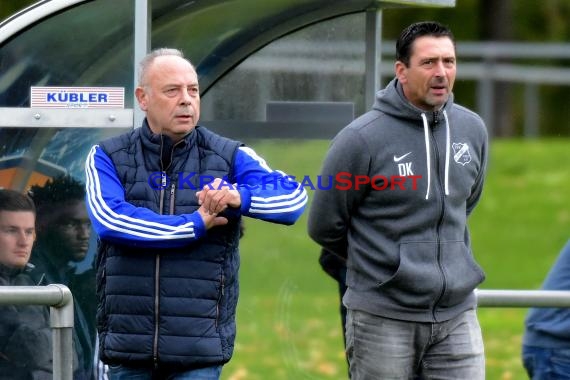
(170, 307)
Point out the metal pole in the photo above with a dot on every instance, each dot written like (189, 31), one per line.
(486, 99)
(531, 110)
(523, 298)
(142, 32)
(61, 322)
(372, 56)
(60, 300)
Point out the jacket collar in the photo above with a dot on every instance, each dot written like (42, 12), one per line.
(6, 271)
(152, 141)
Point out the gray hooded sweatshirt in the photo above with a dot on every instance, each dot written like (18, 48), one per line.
(402, 184)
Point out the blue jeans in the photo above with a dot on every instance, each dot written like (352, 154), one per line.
(120, 372)
(546, 363)
(389, 349)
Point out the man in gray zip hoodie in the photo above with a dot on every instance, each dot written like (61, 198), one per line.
(406, 175)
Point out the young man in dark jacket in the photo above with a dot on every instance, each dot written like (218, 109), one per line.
(166, 201)
(25, 334)
(407, 174)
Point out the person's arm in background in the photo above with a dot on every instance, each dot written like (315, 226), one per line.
(115, 219)
(331, 209)
(334, 265)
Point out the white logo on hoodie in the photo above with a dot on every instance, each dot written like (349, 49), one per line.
(461, 153)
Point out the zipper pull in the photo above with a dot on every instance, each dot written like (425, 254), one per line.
(163, 179)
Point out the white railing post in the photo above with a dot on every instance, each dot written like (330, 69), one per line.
(61, 322)
(522, 298)
(60, 300)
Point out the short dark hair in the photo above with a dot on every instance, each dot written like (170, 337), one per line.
(12, 200)
(57, 191)
(416, 30)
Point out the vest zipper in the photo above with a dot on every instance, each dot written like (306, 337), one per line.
(172, 191)
(163, 183)
(157, 260)
(157, 282)
(156, 309)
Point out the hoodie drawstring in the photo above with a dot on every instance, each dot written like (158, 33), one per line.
(428, 153)
(447, 145)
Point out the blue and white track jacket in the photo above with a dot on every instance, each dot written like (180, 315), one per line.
(266, 194)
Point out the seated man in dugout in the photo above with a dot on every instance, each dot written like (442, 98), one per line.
(25, 334)
(63, 233)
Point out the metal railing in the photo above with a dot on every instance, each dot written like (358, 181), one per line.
(522, 298)
(60, 300)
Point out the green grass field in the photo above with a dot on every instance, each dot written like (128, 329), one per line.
(288, 320)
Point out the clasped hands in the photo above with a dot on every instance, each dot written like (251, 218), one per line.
(214, 198)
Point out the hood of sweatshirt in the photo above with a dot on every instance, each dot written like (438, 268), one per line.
(391, 101)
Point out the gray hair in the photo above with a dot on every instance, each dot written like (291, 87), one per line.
(147, 61)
